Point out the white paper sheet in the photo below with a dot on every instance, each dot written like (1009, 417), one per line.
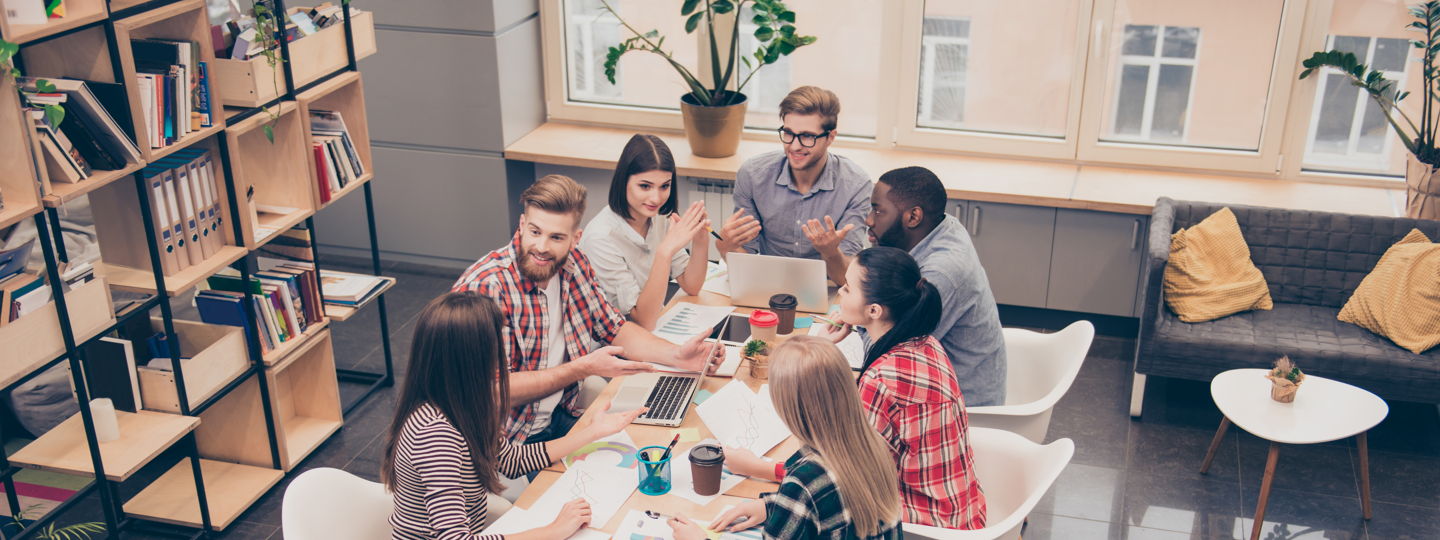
(519, 520)
(717, 278)
(639, 526)
(682, 481)
(605, 487)
(686, 320)
(852, 346)
(738, 417)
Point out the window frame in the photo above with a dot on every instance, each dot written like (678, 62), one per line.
(928, 46)
(1350, 159)
(587, 41)
(1153, 64)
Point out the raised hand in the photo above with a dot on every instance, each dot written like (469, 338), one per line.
(824, 236)
(684, 229)
(691, 356)
(738, 231)
(607, 424)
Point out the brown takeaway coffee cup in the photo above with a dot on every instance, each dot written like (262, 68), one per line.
(784, 306)
(707, 461)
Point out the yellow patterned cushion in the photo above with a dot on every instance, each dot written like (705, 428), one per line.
(1400, 299)
(1210, 275)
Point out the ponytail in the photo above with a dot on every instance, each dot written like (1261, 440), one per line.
(892, 280)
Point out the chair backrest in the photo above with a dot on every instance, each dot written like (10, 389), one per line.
(331, 503)
(1312, 258)
(1041, 367)
(1015, 474)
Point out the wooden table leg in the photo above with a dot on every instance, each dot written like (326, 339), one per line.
(1265, 490)
(1215, 444)
(1364, 474)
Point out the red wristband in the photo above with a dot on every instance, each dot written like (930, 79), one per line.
(779, 471)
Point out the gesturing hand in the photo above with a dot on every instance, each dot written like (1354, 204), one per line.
(824, 236)
(738, 231)
(607, 424)
(684, 229)
(604, 363)
(692, 355)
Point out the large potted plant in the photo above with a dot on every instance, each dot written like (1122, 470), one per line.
(714, 115)
(1422, 179)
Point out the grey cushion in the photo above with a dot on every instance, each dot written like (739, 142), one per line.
(1312, 262)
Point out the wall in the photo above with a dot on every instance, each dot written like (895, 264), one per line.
(453, 83)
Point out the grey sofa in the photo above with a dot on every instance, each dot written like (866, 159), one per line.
(1312, 262)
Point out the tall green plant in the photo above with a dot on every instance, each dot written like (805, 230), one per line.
(1418, 139)
(8, 50)
(775, 33)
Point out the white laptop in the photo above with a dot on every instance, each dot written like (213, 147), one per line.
(667, 394)
(755, 278)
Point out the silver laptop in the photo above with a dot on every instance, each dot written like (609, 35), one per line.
(667, 395)
(755, 278)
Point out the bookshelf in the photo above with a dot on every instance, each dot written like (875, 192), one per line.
(252, 83)
(343, 313)
(244, 418)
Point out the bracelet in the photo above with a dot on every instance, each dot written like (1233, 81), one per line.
(779, 471)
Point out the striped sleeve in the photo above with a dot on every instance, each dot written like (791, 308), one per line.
(516, 460)
(437, 454)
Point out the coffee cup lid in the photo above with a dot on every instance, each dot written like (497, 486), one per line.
(764, 318)
(783, 301)
(706, 454)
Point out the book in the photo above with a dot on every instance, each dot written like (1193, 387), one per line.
(344, 287)
(104, 128)
(303, 23)
(26, 302)
(322, 173)
(202, 102)
(13, 260)
(30, 12)
(78, 130)
(58, 164)
(109, 365)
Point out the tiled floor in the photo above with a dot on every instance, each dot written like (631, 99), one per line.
(1129, 479)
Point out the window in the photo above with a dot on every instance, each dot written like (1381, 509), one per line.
(1157, 77)
(592, 31)
(1348, 129)
(944, 53)
(768, 86)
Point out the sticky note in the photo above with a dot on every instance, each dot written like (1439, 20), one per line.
(713, 535)
(687, 434)
(803, 322)
(702, 395)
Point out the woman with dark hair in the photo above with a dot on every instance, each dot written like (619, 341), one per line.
(908, 387)
(445, 451)
(634, 254)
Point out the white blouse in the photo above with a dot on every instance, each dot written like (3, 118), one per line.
(622, 259)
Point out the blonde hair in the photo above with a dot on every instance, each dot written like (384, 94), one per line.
(814, 394)
(555, 194)
(812, 100)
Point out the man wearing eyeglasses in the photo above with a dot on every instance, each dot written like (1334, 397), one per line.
(801, 201)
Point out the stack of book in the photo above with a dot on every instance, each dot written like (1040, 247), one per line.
(20, 292)
(287, 302)
(174, 94)
(336, 161)
(350, 290)
(88, 138)
(185, 210)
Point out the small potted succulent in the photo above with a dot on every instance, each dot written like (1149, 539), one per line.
(1286, 377)
(757, 354)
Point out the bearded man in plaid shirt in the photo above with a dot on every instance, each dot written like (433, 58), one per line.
(560, 329)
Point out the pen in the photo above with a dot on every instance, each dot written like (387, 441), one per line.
(672, 445)
(827, 321)
(713, 233)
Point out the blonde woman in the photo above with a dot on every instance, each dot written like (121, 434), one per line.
(841, 484)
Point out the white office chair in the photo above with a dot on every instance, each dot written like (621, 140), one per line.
(1040, 369)
(1015, 474)
(331, 503)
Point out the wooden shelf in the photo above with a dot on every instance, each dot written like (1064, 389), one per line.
(305, 398)
(275, 170)
(143, 436)
(35, 339)
(61, 192)
(213, 356)
(233, 429)
(986, 179)
(252, 82)
(185, 21)
(138, 280)
(344, 94)
(284, 351)
(77, 13)
(18, 183)
(229, 489)
(341, 313)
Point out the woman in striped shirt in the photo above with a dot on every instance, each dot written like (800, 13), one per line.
(446, 450)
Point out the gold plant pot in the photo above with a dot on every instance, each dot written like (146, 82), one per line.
(713, 132)
(1422, 189)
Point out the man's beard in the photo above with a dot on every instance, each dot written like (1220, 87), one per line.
(537, 274)
(892, 237)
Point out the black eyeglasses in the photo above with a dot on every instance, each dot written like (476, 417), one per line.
(807, 140)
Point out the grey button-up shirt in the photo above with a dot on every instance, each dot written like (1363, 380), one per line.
(764, 188)
(970, 323)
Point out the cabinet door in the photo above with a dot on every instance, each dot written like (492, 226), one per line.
(1096, 264)
(1013, 242)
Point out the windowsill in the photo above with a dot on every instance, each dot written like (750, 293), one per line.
(1015, 181)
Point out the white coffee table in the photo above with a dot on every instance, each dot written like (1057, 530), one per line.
(1324, 410)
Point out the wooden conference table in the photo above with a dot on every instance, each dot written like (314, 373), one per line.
(660, 436)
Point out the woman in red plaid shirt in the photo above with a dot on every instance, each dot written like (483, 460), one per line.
(909, 389)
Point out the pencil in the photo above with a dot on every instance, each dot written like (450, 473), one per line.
(827, 321)
(713, 233)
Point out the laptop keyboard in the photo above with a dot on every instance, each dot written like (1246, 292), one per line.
(669, 397)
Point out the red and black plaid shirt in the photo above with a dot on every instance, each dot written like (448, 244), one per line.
(912, 398)
(589, 321)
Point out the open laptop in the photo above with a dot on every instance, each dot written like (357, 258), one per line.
(667, 394)
(755, 278)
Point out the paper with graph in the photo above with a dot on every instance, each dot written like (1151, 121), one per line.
(739, 417)
(852, 346)
(685, 320)
(606, 487)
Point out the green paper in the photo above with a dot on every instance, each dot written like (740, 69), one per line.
(702, 395)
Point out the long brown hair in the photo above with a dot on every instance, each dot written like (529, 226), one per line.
(814, 393)
(457, 364)
(644, 153)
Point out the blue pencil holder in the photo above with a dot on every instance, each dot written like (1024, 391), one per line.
(654, 472)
